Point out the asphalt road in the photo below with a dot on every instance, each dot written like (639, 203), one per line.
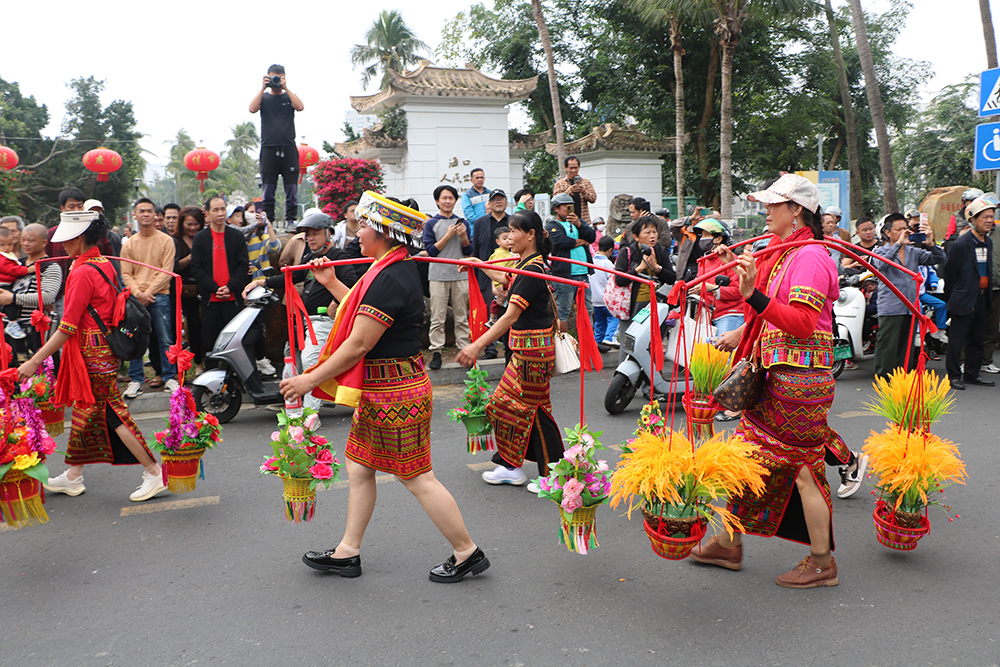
(215, 577)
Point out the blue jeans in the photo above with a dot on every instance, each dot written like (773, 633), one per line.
(605, 324)
(940, 310)
(566, 296)
(728, 323)
(159, 313)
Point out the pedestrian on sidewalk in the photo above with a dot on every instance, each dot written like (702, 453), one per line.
(372, 361)
(520, 409)
(103, 430)
(446, 235)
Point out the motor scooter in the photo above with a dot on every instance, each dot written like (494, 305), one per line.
(632, 374)
(856, 332)
(220, 391)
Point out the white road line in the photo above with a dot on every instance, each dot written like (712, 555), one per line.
(171, 505)
(485, 465)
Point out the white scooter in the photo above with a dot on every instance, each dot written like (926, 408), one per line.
(855, 339)
(632, 374)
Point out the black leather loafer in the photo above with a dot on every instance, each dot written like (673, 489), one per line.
(958, 385)
(324, 560)
(980, 381)
(449, 573)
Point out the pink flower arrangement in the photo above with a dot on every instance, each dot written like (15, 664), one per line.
(579, 479)
(300, 453)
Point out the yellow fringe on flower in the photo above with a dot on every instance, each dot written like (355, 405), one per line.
(893, 399)
(668, 469)
(906, 461)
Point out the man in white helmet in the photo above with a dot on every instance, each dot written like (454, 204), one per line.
(958, 221)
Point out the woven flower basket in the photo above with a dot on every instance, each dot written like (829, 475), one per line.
(480, 434)
(891, 531)
(53, 417)
(660, 530)
(299, 499)
(182, 468)
(700, 415)
(21, 500)
(578, 529)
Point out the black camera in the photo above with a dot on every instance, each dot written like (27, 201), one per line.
(274, 81)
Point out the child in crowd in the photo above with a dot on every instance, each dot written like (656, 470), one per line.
(605, 324)
(497, 306)
(10, 270)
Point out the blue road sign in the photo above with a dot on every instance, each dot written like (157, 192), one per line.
(989, 93)
(987, 147)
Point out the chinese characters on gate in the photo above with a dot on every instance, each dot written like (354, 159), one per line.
(458, 177)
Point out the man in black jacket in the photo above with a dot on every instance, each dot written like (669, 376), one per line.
(968, 283)
(571, 238)
(220, 264)
(484, 242)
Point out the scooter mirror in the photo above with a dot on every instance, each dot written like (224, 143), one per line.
(722, 281)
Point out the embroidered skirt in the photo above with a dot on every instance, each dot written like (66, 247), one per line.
(520, 407)
(789, 424)
(391, 428)
(93, 438)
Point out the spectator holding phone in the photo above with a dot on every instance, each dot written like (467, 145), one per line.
(577, 187)
(278, 153)
(261, 240)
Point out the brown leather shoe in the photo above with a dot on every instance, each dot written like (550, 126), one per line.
(807, 574)
(713, 553)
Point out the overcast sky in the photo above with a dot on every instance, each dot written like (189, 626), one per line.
(196, 65)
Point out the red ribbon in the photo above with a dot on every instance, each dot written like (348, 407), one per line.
(298, 318)
(119, 313)
(179, 357)
(40, 321)
(656, 344)
(590, 356)
(477, 307)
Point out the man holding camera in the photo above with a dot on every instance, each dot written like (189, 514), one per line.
(278, 154)
(577, 187)
(893, 342)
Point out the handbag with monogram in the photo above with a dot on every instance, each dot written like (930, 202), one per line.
(743, 384)
(617, 299)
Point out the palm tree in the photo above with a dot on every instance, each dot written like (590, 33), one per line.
(241, 147)
(390, 45)
(991, 41)
(557, 120)
(854, 162)
(875, 104)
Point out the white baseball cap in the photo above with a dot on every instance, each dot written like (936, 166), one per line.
(834, 211)
(72, 224)
(790, 187)
(91, 204)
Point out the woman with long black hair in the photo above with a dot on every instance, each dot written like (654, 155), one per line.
(520, 409)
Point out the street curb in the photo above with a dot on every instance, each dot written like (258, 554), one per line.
(448, 374)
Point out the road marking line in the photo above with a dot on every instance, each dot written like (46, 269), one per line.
(485, 465)
(857, 413)
(380, 478)
(171, 505)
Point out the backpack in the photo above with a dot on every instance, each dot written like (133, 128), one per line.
(130, 338)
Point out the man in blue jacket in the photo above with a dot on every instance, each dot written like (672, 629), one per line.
(571, 238)
(968, 283)
(474, 199)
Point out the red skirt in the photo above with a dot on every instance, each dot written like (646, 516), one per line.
(391, 428)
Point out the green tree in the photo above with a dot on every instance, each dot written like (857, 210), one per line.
(389, 45)
(240, 159)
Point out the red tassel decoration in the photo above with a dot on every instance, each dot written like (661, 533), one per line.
(656, 344)
(590, 356)
(477, 307)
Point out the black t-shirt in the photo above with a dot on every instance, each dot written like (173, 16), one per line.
(531, 294)
(395, 298)
(277, 120)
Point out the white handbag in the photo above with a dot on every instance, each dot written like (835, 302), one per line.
(567, 354)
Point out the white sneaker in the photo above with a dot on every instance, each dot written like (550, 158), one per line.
(15, 331)
(63, 484)
(171, 386)
(940, 336)
(133, 390)
(989, 368)
(851, 482)
(532, 488)
(151, 485)
(265, 367)
(502, 475)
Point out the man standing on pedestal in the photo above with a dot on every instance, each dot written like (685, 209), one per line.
(576, 186)
(278, 154)
(571, 238)
(474, 199)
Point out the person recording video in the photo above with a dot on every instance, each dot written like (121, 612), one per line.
(278, 154)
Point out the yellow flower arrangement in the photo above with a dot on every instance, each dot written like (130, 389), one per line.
(912, 466)
(708, 365)
(897, 399)
(666, 470)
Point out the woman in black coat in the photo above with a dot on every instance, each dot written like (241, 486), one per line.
(644, 258)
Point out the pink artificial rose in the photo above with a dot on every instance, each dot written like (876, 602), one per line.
(587, 440)
(275, 435)
(270, 464)
(324, 456)
(160, 436)
(572, 487)
(310, 449)
(602, 465)
(321, 471)
(48, 446)
(573, 454)
(298, 435)
(571, 503)
(318, 440)
(311, 421)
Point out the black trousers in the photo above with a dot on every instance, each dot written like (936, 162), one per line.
(214, 316)
(280, 161)
(544, 444)
(191, 308)
(969, 332)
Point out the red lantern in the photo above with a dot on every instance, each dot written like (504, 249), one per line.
(103, 161)
(201, 161)
(308, 156)
(8, 158)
